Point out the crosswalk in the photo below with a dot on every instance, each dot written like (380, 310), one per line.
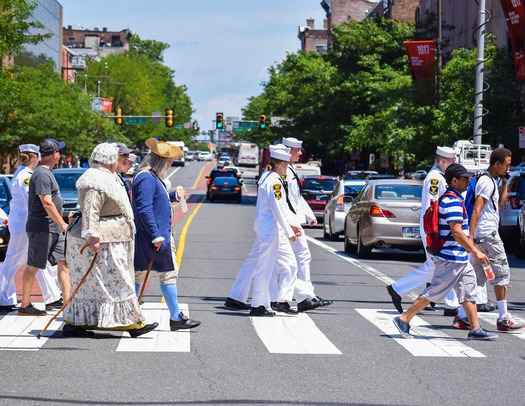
(283, 334)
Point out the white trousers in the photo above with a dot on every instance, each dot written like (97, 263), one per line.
(284, 276)
(16, 257)
(304, 289)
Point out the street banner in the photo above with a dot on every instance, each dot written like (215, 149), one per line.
(102, 105)
(421, 59)
(514, 14)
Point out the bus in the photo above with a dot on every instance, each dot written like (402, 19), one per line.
(248, 155)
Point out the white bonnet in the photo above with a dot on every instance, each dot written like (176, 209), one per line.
(105, 153)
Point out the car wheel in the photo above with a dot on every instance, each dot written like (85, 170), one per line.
(212, 199)
(325, 229)
(239, 200)
(362, 251)
(332, 236)
(349, 248)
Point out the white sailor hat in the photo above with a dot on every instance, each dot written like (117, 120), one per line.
(446, 152)
(29, 148)
(292, 142)
(132, 157)
(280, 152)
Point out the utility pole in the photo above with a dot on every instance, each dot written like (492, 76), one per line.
(480, 66)
(439, 43)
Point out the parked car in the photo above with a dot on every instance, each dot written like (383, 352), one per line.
(66, 179)
(385, 214)
(216, 173)
(5, 201)
(227, 188)
(420, 174)
(337, 206)
(359, 174)
(316, 190)
(509, 228)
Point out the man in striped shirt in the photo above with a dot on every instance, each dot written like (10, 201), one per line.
(452, 266)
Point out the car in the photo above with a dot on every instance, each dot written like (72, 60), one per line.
(67, 179)
(5, 201)
(237, 171)
(420, 174)
(337, 206)
(189, 155)
(219, 172)
(521, 225)
(359, 174)
(223, 161)
(385, 214)
(205, 156)
(226, 188)
(316, 190)
(508, 225)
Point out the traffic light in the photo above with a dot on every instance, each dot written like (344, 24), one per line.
(169, 117)
(119, 120)
(219, 124)
(195, 126)
(262, 121)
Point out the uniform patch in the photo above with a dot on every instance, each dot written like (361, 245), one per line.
(277, 191)
(434, 189)
(26, 181)
(284, 176)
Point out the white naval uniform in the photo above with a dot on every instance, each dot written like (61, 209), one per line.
(16, 255)
(271, 246)
(303, 289)
(434, 186)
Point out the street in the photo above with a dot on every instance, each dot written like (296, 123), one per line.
(348, 353)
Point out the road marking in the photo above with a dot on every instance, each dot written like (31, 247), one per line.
(492, 318)
(428, 341)
(292, 335)
(19, 332)
(182, 238)
(162, 339)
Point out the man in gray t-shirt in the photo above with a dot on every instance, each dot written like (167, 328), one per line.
(45, 226)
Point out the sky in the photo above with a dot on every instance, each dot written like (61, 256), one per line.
(220, 49)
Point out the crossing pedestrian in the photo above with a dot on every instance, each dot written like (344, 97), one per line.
(106, 300)
(452, 266)
(153, 216)
(434, 186)
(16, 255)
(45, 226)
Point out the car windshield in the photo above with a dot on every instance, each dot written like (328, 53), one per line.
(225, 181)
(223, 173)
(66, 181)
(517, 185)
(319, 184)
(353, 190)
(398, 192)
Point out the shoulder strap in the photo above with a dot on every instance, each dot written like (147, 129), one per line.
(494, 191)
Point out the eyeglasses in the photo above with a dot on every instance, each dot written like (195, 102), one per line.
(124, 155)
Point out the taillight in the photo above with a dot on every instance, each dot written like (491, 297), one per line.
(236, 188)
(513, 202)
(214, 188)
(209, 181)
(340, 203)
(375, 211)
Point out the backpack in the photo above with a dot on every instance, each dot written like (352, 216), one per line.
(470, 196)
(431, 225)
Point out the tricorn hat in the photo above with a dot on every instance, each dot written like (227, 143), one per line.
(164, 149)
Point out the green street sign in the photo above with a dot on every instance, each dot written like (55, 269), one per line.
(247, 124)
(135, 120)
(179, 127)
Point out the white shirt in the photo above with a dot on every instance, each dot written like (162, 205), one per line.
(489, 217)
(434, 186)
(271, 211)
(18, 206)
(303, 212)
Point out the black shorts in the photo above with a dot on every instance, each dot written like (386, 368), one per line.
(43, 247)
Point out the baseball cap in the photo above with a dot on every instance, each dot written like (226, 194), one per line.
(123, 149)
(456, 171)
(50, 145)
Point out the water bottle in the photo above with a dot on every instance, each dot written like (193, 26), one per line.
(488, 271)
(182, 199)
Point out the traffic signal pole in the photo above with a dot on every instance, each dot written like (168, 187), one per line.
(480, 66)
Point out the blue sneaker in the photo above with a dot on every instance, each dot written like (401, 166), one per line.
(404, 328)
(480, 334)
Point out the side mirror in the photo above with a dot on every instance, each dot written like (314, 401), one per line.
(348, 199)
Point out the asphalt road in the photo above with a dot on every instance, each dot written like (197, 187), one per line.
(343, 354)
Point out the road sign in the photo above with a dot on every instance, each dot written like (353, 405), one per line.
(135, 120)
(247, 124)
(179, 127)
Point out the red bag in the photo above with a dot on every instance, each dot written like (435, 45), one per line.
(431, 225)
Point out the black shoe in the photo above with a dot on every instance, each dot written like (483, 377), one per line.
(450, 312)
(30, 311)
(432, 304)
(7, 309)
(184, 323)
(57, 304)
(284, 307)
(323, 302)
(396, 299)
(236, 304)
(307, 304)
(261, 311)
(486, 307)
(70, 330)
(140, 331)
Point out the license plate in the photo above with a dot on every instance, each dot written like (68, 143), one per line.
(411, 232)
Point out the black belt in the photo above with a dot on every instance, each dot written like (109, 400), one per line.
(480, 240)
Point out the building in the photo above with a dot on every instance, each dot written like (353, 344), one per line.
(312, 39)
(96, 43)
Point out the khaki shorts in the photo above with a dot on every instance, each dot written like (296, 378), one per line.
(492, 247)
(447, 275)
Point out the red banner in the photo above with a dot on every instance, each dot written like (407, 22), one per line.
(514, 15)
(421, 59)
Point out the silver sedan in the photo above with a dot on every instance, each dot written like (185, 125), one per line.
(385, 214)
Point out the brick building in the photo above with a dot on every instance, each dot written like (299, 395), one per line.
(96, 43)
(312, 39)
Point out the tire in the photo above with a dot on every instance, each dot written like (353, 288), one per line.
(349, 248)
(362, 251)
(325, 233)
(332, 236)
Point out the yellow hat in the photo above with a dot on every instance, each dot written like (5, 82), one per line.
(164, 149)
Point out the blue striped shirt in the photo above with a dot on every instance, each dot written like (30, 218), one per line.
(451, 210)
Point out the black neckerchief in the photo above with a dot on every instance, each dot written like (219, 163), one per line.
(285, 187)
(295, 177)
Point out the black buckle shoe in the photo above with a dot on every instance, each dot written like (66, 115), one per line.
(236, 304)
(70, 330)
(323, 302)
(396, 299)
(144, 330)
(184, 323)
(284, 307)
(57, 304)
(261, 311)
(307, 304)
(7, 309)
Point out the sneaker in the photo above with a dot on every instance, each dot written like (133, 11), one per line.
(404, 328)
(509, 323)
(486, 307)
(480, 334)
(57, 304)
(30, 311)
(461, 323)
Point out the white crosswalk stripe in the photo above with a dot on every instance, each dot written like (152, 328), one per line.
(427, 342)
(488, 322)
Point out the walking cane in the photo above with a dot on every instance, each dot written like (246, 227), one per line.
(74, 292)
(146, 279)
